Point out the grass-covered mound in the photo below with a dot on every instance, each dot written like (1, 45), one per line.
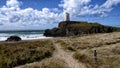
(71, 28)
(18, 53)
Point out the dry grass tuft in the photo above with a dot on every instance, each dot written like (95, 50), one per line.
(49, 63)
(84, 58)
(65, 45)
(19, 53)
(108, 57)
(107, 46)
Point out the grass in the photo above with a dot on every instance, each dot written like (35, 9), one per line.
(90, 41)
(84, 58)
(73, 45)
(19, 53)
(49, 63)
(107, 46)
(108, 57)
(65, 45)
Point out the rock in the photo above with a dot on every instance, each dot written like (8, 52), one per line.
(71, 28)
(55, 32)
(13, 38)
(47, 32)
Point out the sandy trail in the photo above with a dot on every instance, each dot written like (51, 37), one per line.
(63, 55)
(67, 57)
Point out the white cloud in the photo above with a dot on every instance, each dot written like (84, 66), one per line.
(13, 4)
(110, 3)
(73, 6)
(12, 15)
(84, 7)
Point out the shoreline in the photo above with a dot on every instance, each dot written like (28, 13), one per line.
(29, 40)
(53, 38)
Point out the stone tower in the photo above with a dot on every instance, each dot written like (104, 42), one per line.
(67, 17)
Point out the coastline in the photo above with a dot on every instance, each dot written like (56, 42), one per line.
(51, 38)
(58, 38)
(40, 39)
(43, 38)
(24, 35)
(75, 46)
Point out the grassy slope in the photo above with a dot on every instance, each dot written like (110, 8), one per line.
(17, 53)
(107, 46)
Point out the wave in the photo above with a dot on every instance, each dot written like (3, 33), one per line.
(24, 35)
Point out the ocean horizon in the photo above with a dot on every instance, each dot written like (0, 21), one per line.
(23, 34)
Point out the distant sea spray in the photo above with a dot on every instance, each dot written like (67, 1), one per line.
(24, 34)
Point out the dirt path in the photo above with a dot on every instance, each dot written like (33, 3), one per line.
(64, 55)
(67, 57)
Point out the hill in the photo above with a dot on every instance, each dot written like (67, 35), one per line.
(76, 52)
(71, 28)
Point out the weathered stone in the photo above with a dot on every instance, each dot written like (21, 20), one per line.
(13, 38)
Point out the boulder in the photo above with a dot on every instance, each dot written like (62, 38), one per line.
(14, 38)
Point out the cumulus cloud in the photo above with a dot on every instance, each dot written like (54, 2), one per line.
(11, 14)
(74, 6)
(84, 7)
(110, 3)
(13, 3)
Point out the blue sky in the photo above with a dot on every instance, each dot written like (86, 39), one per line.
(43, 14)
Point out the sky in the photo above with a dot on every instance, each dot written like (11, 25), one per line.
(46, 14)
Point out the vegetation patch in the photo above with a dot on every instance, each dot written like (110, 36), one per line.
(19, 53)
(107, 57)
(49, 63)
(84, 58)
(65, 45)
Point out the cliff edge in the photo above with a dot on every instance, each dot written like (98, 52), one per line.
(71, 28)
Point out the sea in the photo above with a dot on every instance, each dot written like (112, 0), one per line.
(24, 34)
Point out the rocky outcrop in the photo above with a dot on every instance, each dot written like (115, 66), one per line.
(71, 28)
(54, 32)
(13, 38)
